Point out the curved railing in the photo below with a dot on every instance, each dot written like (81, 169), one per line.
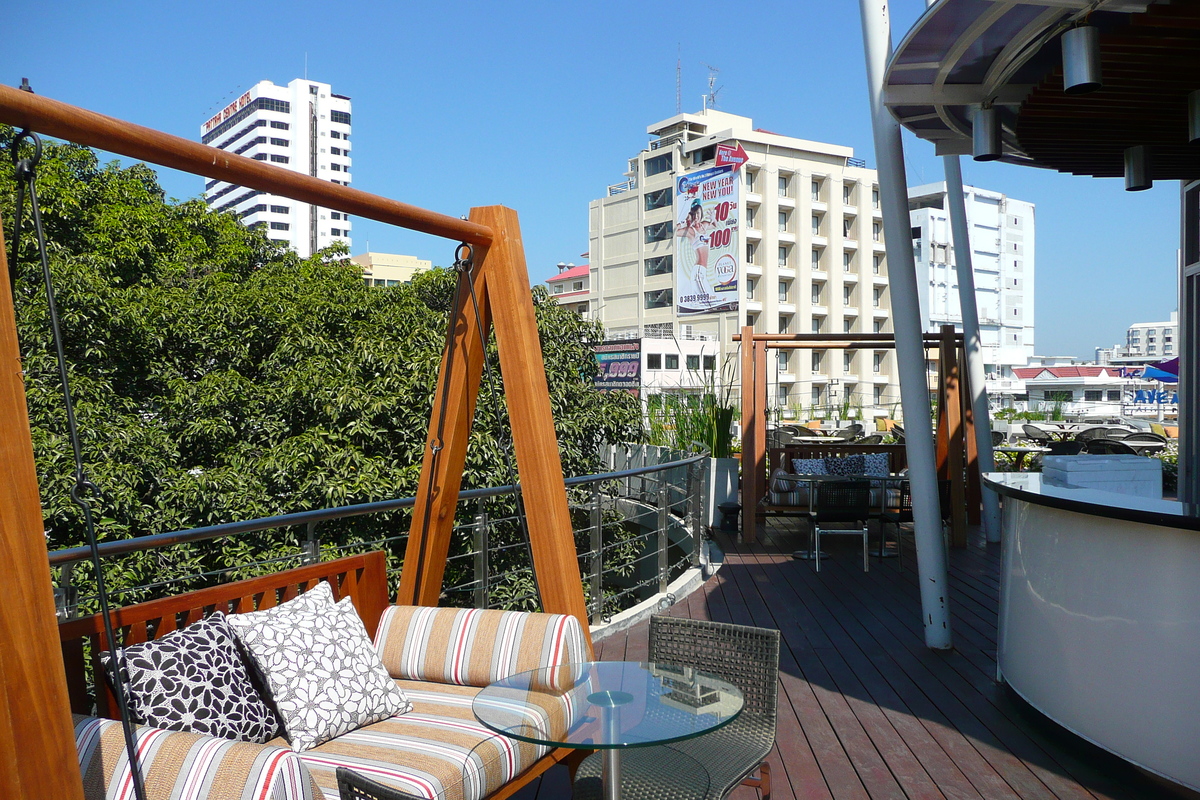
(637, 527)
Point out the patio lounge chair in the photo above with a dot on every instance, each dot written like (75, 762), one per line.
(1035, 434)
(745, 656)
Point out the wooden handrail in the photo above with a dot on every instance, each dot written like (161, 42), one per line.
(64, 121)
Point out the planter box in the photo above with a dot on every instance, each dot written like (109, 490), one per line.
(1136, 475)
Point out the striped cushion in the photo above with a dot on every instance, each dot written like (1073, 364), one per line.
(470, 647)
(437, 750)
(187, 766)
(784, 492)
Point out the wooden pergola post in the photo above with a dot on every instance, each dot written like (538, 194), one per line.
(754, 430)
(950, 433)
(37, 738)
(501, 281)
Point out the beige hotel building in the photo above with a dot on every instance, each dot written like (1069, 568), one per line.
(811, 241)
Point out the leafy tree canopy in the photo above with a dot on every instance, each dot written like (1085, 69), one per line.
(217, 376)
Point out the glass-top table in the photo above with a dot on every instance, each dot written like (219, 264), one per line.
(609, 706)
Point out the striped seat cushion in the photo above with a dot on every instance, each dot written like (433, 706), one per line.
(187, 766)
(437, 751)
(472, 647)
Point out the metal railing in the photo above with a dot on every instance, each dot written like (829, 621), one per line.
(637, 527)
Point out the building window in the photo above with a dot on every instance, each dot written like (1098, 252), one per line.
(1114, 395)
(335, 215)
(279, 142)
(874, 198)
(751, 213)
(876, 230)
(878, 395)
(876, 296)
(341, 117)
(277, 159)
(784, 288)
(704, 154)
(710, 363)
(816, 191)
(660, 198)
(280, 226)
(280, 209)
(253, 210)
(783, 221)
(1059, 396)
(816, 258)
(335, 231)
(847, 193)
(847, 260)
(659, 231)
(751, 248)
(816, 224)
(751, 319)
(750, 178)
(848, 227)
(654, 361)
(877, 327)
(672, 361)
(816, 360)
(785, 323)
(660, 298)
(749, 288)
(848, 325)
(337, 151)
(816, 292)
(659, 265)
(782, 356)
(663, 163)
(693, 362)
(877, 363)
(877, 263)
(816, 395)
(1093, 395)
(259, 156)
(336, 167)
(847, 361)
(784, 251)
(784, 181)
(847, 293)
(816, 324)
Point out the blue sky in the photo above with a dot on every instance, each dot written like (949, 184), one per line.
(539, 105)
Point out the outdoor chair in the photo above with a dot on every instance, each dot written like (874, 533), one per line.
(1110, 447)
(898, 432)
(1146, 437)
(874, 438)
(745, 656)
(997, 438)
(840, 503)
(901, 512)
(355, 786)
(1035, 434)
(1117, 433)
(1071, 447)
(1087, 434)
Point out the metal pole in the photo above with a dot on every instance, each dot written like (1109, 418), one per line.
(963, 264)
(906, 319)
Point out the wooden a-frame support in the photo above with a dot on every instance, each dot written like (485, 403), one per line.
(501, 282)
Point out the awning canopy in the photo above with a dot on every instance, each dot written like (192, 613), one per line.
(962, 53)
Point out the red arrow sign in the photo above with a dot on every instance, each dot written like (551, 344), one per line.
(728, 155)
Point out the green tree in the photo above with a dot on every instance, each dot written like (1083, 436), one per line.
(219, 377)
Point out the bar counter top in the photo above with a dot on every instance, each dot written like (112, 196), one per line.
(1033, 487)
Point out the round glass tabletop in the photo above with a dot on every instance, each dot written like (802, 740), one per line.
(607, 704)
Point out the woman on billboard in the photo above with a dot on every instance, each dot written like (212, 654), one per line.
(695, 226)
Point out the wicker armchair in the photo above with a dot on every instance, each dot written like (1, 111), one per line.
(745, 656)
(355, 786)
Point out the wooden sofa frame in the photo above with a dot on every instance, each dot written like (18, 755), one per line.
(782, 457)
(362, 578)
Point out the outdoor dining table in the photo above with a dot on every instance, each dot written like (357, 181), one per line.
(1021, 453)
(612, 706)
(883, 480)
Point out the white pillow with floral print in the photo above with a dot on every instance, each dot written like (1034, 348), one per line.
(322, 670)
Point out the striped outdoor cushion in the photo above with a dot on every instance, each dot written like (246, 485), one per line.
(187, 766)
(437, 751)
(472, 647)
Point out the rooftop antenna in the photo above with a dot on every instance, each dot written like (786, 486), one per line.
(710, 99)
(678, 81)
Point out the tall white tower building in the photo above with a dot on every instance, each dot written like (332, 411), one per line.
(303, 127)
(1002, 243)
(683, 254)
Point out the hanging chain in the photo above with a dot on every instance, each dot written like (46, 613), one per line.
(26, 177)
(464, 263)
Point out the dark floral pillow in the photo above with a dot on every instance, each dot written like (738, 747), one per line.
(846, 465)
(875, 463)
(194, 680)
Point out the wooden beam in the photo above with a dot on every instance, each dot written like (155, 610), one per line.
(974, 490)
(37, 738)
(749, 426)
(952, 404)
(446, 447)
(760, 425)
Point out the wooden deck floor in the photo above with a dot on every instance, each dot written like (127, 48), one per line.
(865, 709)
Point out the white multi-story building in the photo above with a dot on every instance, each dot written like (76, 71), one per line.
(803, 252)
(1002, 244)
(390, 269)
(1144, 341)
(303, 127)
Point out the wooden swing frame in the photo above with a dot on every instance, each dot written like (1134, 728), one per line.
(36, 733)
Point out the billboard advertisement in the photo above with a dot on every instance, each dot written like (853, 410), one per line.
(706, 243)
(620, 366)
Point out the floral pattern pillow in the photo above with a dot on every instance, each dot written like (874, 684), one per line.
(808, 466)
(846, 465)
(875, 464)
(322, 670)
(194, 680)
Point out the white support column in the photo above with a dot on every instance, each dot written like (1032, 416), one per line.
(906, 320)
(963, 264)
